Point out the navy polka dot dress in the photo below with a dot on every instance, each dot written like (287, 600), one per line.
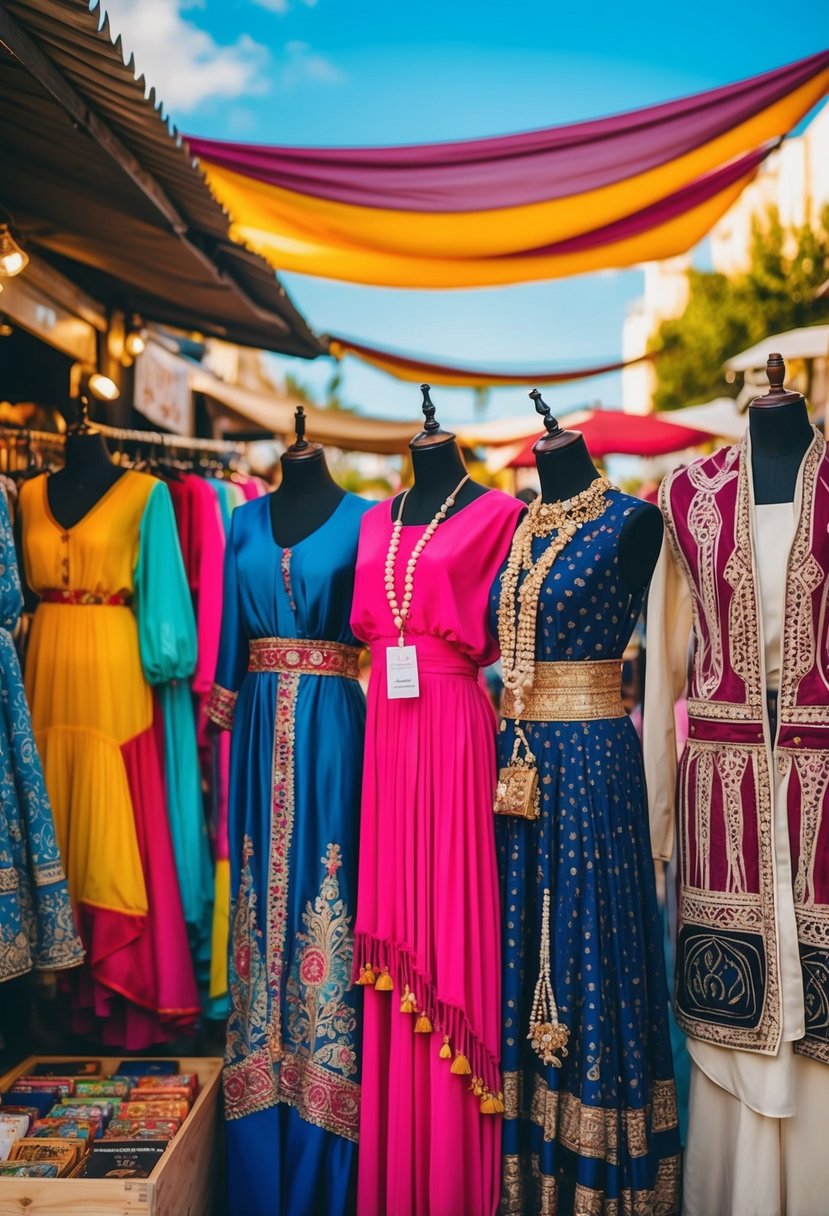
(599, 1134)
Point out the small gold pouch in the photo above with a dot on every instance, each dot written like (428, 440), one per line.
(517, 792)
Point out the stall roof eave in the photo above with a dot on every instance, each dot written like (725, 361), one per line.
(334, 428)
(810, 342)
(102, 186)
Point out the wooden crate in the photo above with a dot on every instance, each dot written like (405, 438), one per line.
(184, 1183)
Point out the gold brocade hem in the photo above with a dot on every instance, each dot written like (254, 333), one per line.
(221, 706)
(570, 692)
(593, 1131)
(296, 656)
(320, 1097)
(526, 1189)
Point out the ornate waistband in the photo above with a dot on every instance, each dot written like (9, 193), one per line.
(65, 595)
(571, 692)
(302, 657)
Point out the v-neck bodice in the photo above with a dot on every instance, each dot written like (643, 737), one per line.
(295, 591)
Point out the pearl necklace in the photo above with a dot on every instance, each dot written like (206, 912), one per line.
(400, 612)
(516, 630)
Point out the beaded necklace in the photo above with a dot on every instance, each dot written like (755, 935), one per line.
(400, 612)
(516, 631)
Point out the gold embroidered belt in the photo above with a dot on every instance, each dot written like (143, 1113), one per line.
(65, 595)
(305, 658)
(571, 692)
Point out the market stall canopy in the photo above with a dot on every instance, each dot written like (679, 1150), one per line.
(335, 428)
(614, 433)
(811, 342)
(721, 418)
(413, 369)
(101, 186)
(538, 205)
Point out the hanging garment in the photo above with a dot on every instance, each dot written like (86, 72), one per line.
(732, 977)
(428, 916)
(598, 1134)
(202, 544)
(114, 619)
(37, 926)
(750, 803)
(287, 687)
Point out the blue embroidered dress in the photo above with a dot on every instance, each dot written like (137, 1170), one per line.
(37, 927)
(291, 1077)
(599, 1134)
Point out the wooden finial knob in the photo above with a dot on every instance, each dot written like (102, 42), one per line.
(776, 371)
(428, 407)
(777, 394)
(299, 426)
(550, 423)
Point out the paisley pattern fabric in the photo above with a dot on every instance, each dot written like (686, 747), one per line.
(599, 1134)
(37, 926)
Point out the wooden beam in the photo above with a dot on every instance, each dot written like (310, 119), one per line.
(27, 52)
(29, 55)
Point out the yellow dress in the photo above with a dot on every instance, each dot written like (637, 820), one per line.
(114, 618)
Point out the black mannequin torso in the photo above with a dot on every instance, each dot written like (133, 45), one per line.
(566, 471)
(305, 498)
(87, 475)
(780, 436)
(437, 470)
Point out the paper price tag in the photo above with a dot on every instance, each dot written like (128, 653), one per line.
(401, 672)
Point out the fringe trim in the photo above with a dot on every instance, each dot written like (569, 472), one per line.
(446, 1020)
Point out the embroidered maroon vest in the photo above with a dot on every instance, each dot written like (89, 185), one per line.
(728, 983)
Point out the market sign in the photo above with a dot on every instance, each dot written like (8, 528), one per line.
(39, 314)
(162, 390)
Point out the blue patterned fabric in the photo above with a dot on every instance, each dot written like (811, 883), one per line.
(37, 926)
(291, 1078)
(600, 1133)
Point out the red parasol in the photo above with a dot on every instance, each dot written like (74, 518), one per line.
(614, 433)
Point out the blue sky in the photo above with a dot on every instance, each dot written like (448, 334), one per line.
(328, 72)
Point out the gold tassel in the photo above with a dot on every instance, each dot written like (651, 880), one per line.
(460, 1065)
(445, 1052)
(490, 1104)
(367, 975)
(477, 1087)
(423, 1025)
(407, 1002)
(384, 981)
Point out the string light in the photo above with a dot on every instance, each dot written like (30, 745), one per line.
(102, 387)
(13, 259)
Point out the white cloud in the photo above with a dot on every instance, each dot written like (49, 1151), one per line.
(185, 63)
(302, 64)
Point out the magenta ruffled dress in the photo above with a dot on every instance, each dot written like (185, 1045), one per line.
(427, 942)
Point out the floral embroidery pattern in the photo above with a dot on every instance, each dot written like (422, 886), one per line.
(286, 577)
(313, 1070)
(320, 1023)
(282, 829)
(249, 1080)
(255, 972)
(221, 706)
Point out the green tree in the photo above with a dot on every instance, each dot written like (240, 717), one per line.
(724, 315)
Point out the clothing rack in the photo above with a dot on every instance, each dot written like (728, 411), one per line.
(166, 442)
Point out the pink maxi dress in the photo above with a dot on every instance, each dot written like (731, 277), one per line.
(428, 906)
